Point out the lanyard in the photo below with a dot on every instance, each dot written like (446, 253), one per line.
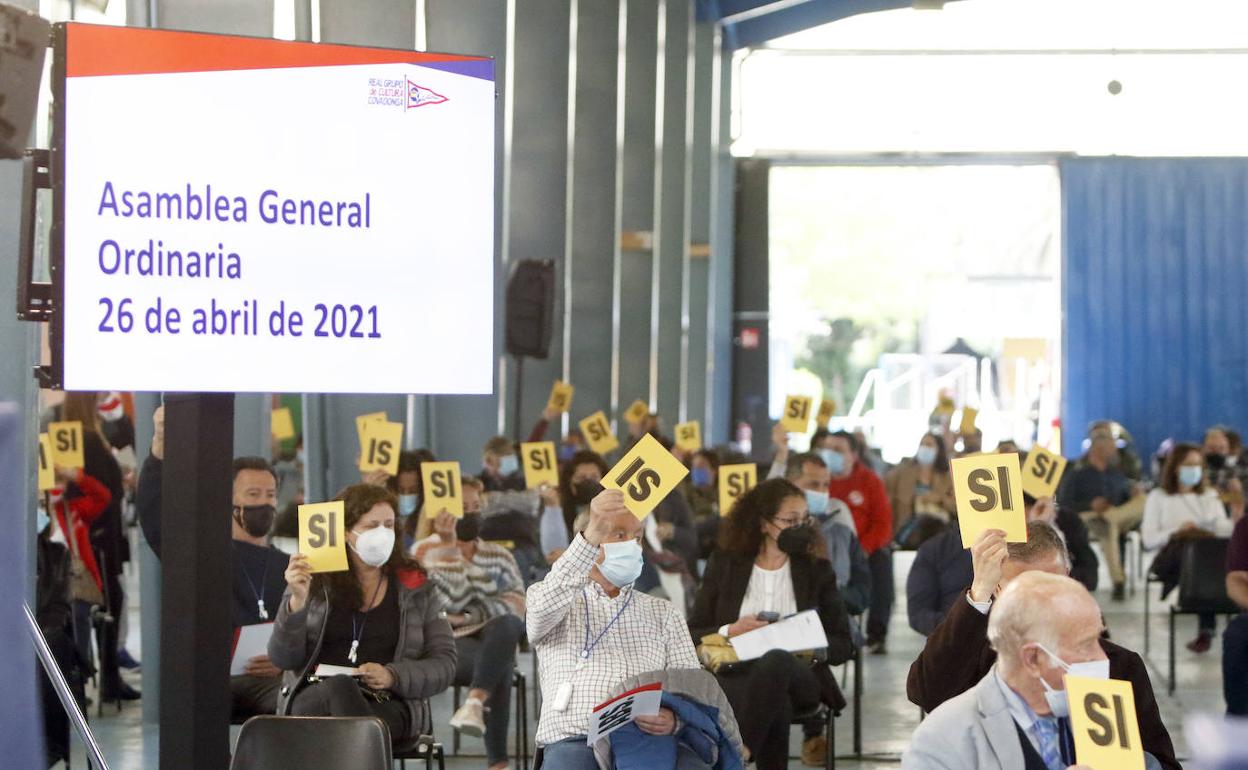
(264, 613)
(356, 635)
(588, 649)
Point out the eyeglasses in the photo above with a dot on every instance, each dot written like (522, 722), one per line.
(785, 523)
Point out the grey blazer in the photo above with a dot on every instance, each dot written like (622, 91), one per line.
(424, 661)
(973, 731)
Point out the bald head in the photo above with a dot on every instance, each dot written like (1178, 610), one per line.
(1039, 608)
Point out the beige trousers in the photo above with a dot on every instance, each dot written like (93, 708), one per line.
(1108, 526)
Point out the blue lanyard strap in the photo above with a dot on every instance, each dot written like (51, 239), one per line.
(588, 649)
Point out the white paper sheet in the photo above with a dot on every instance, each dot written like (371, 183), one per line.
(802, 631)
(610, 716)
(252, 641)
(325, 671)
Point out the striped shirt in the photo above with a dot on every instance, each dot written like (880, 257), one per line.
(650, 635)
(485, 587)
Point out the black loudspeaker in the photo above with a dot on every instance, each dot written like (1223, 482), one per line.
(24, 39)
(530, 308)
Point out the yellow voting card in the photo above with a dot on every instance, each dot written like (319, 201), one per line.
(637, 411)
(735, 481)
(283, 425)
(380, 445)
(645, 475)
(539, 461)
(796, 416)
(989, 493)
(597, 432)
(322, 536)
(689, 436)
(1104, 724)
(1042, 472)
(66, 444)
(560, 396)
(444, 488)
(47, 475)
(827, 408)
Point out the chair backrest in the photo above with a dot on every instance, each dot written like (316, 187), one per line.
(308, 743)
(1202, 579)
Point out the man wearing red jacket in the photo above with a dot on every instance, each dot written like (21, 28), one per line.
(858, 487)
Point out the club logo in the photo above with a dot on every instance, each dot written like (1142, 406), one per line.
(401, 93)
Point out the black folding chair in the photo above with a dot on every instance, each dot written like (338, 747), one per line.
(826, 718)
(297, 743)
(1202, 587)
(423, 746)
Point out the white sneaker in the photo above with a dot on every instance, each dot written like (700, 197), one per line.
(470, 718)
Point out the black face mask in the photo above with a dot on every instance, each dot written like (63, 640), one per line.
(468, 527)
(584, 492)
(256, 519)
(796, 540)
(1216, 461)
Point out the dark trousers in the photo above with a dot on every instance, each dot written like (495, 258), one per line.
(1235, 666)
(764, 697)
(340, 696)
(252, 696)
(107, 641)
(486, 661)
(882, 593)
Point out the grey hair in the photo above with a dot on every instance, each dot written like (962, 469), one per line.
(1043, 539)
(1026, 612)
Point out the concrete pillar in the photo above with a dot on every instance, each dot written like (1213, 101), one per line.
(149, 572)
(239, 17)
(538, 178)
(721, 277)
(637, 167)
(591, 229)
(698, 227)
(458, 425)
(670, 239)
(252, 425)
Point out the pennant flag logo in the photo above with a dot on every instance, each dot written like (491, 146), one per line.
(419, 96)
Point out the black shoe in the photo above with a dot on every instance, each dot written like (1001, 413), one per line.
(877, 647)
(1120, 592)
(122, 692)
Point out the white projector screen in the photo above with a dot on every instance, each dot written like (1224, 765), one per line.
(255, 215)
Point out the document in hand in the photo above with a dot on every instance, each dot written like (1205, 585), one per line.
(802, 631)
(610, 716)
(249, 641)
(326, 670)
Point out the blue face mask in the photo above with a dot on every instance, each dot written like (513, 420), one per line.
(565, 452)
(834, 460)
(622, 562)
(41, 519)
(926, 455)
(408, 504)
(508, 464)
(816, 502)
(701, 477)
(1190, 475)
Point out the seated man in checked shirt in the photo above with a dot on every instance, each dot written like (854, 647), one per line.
(592, 630)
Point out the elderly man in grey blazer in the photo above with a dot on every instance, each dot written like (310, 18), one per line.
(1042, 627)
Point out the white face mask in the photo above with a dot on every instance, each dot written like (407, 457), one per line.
(374, 546)
(1092, 669)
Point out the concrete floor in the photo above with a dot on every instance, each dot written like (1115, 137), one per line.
(888, 718)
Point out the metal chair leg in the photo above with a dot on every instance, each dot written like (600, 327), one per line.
(858, 702)
(829, 759)
(454, 733)
(1146, 628)
(1170, 682)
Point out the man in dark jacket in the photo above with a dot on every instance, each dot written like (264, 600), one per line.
(957, 654)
